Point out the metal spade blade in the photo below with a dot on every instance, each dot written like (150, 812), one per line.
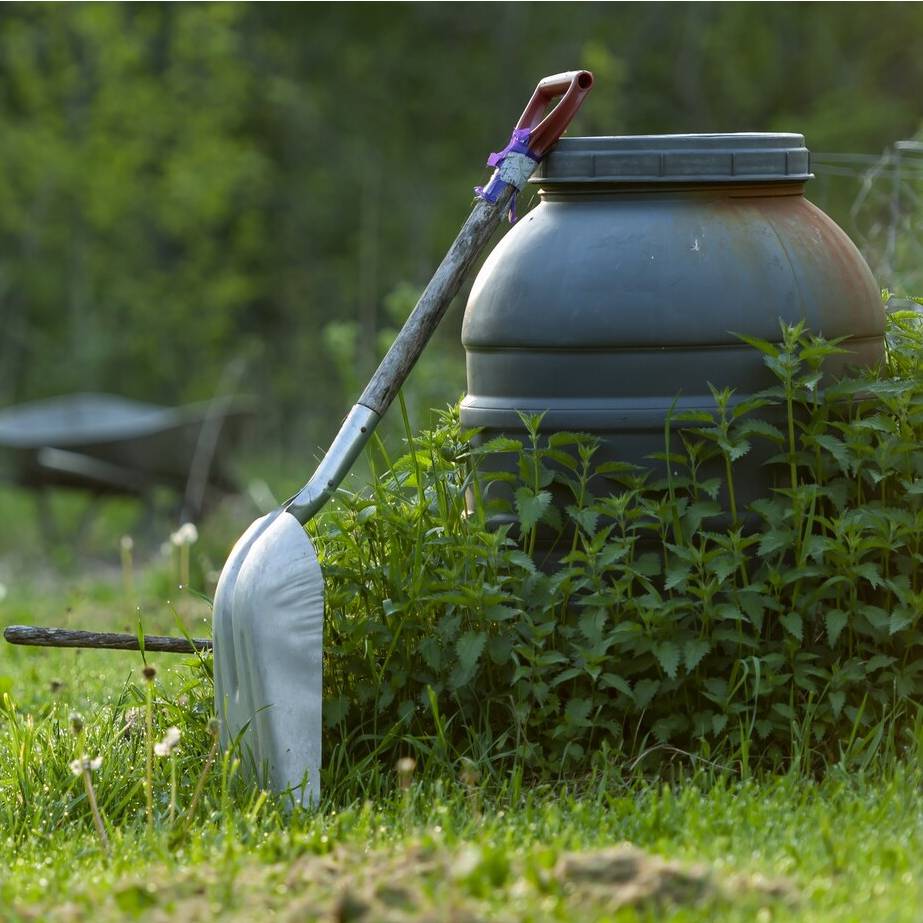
(268, 641)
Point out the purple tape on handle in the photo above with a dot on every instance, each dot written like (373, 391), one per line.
(518, 144)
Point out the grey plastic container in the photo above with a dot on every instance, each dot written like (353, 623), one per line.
(621, 294)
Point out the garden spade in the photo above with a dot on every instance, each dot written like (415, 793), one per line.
(269, 604)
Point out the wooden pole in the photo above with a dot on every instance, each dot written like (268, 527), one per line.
(106, 640)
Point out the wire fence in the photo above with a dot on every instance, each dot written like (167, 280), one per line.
(886, 211)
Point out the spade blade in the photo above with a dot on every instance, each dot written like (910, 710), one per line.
(268, 642)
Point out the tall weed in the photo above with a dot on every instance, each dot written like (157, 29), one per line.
(669, 619)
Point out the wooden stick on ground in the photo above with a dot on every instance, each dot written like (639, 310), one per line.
(108, 640)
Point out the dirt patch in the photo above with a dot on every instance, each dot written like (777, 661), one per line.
(422, 884)
(625, 876)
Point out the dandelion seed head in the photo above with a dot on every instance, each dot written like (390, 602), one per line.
(169, 743)
(470, 775)
(85, 764)
(186, 534)
(126, 543)
(404, 768)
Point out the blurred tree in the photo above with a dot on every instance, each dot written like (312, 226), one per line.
(133, 212)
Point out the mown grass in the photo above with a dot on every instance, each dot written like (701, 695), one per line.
(849, 847)
(830, 829)
(448, 846)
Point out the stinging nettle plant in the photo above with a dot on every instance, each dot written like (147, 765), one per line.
(671, 617)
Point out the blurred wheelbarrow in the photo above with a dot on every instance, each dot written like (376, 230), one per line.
(109, 445)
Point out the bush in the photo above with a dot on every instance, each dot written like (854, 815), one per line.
(797, 640)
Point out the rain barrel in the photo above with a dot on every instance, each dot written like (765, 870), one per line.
(620, 295)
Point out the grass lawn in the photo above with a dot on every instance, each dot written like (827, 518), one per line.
(708, 846)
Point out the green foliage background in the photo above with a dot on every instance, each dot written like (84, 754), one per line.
(182, 184)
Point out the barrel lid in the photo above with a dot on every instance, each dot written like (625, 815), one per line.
(739, 157)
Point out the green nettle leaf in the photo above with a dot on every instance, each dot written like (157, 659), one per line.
(499, 444)
(676, 575)
(838, 449)
(587, 519)
(722, 567)
(901, 618)
(835, 621)
(448, 626)
(591, 624)
(878, 661)
(499, 650)
(878, 617)
(644, 691)
(431, 652)
(530, 506)
(336, 708)
(729, 612)
(577, 712)
(836, 702)
(793, 625)
(667, 728)
(753, 604)
(693, 652)
(699, 511)
(757, 427)
(736, 449)
(521, 559)
(614, 681)
(469, 648)
(870, 572)
(774, 540)
(667, 654)
(500, 613)
(566, 675)
(711, 487)
(764, 346)
(385, 698)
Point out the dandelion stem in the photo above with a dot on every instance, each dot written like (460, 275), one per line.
(172, 788)
(184, 565)
(94, 810)
(128, 579)
(149, 674)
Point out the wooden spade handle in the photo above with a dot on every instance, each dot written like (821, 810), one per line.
(107, 640)
(573, 87)
(437, 296)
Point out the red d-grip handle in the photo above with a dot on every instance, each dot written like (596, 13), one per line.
(572, 87)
